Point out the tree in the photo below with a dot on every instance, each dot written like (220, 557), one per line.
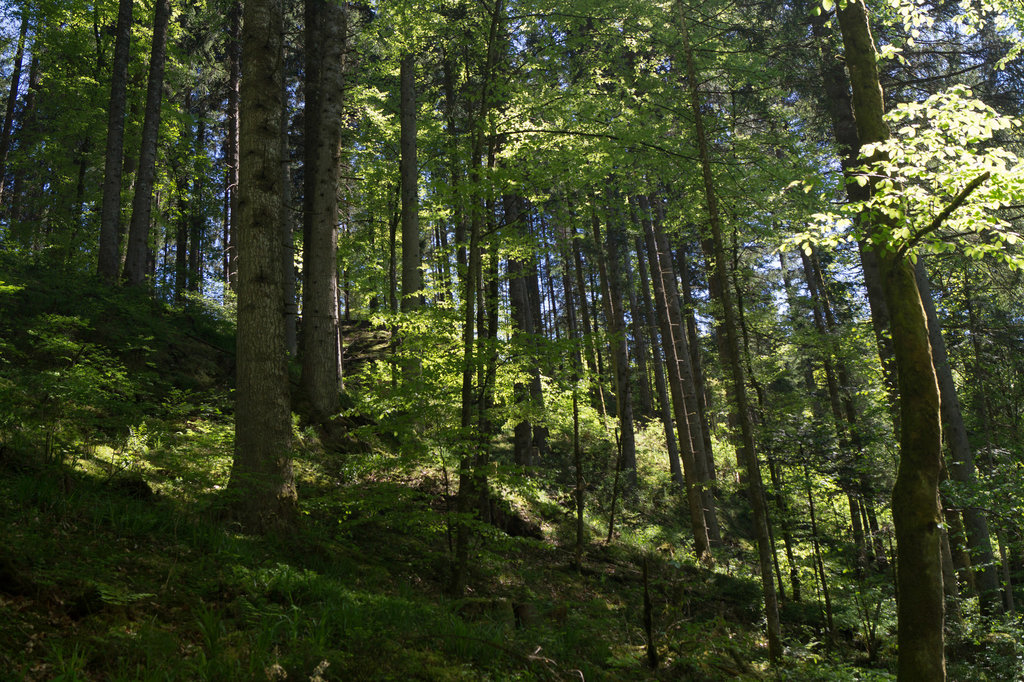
(262, 484)
(895, 222)
(326, 30)
(110, 210)
(717, 262)
(12, 100)
(135, 266)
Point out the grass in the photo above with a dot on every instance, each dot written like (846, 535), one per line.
(115, 447)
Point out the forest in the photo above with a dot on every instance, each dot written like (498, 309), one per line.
(512, 340)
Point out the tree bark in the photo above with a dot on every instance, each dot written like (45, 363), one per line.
(409, 172)
(110, 207)
(142, 203)
(916, 511)
(671, 346)
(961, 465)
(664, 405)
(608, 264)
(12, 97)
(326, 39)
(262, 484)
(234, 55)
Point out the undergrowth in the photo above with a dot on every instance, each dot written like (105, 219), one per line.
(116, 442)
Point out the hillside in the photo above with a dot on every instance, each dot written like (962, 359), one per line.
(116, 443)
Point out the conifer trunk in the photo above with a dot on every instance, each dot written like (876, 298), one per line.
(12, 96)
(110, 207)
(409, 173)
(262, 486)
(961, 465)
(671, 346)
(234, 55)
(142, 203)
(611, 285)
(326, 32)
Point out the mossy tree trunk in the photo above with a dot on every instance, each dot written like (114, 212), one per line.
(915, 508)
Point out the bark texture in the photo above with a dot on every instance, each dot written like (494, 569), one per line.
(262, 485)
(915, 507)
(142, 203)
(325, 52)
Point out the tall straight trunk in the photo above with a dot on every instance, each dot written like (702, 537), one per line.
(916, 511)
(732, 358)
(608, 265)
(819, 564)
(639, 326)
(411, 260)
(472, 479)
(197, 217)
(865, 489)
(523, 337)
(786, 523)
(702, 459)
(840, 109)
(287, 233)
(961, 465)
(24, 220)
(670, 345)
(326, 40)
(590, 351)
(835, 402)
(664, 405)
(12, 98)
(142, 203)
(110, 207)
(234, 55)
(693, 340)
(262, 483)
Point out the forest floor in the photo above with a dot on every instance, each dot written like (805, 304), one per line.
(115, 442)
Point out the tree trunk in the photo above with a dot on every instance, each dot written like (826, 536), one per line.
(234, 54)
(664, 405)
(262, 483)
(110, 211)
(732, 359)
(915, 509)
(522, 335)
(142, 203)
(961, 465)
(700, 389)
(287, 234)
(411, 260)
(671, 346)
(838, 419)
(326, 40)
(611, 284)
(639, 326)
(12, 97)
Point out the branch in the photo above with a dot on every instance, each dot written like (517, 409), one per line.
(936, 222)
